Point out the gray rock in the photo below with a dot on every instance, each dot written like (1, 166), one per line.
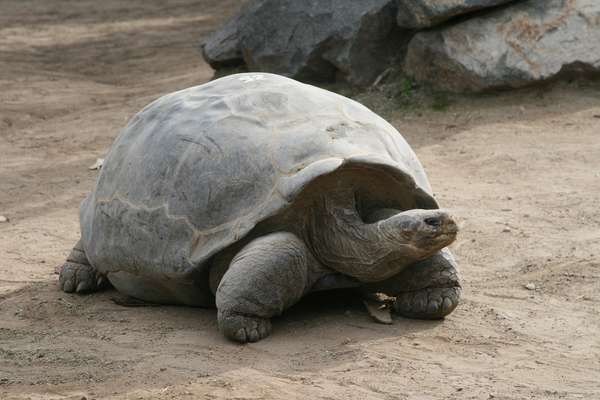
(222, 49)
(418, 14)
(310, 40)
(529, 42)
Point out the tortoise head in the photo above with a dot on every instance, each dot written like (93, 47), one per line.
(418, 233)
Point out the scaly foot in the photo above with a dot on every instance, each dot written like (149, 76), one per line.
(77, 275)
(428, 303)
(242, 328)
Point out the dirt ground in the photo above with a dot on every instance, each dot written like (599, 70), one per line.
(520, 169)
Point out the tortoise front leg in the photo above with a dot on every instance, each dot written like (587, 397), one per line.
(267, 276)
(429, 289)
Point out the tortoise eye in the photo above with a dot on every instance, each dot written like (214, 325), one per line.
(433, 221)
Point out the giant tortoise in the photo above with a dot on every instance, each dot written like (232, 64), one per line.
(252, 190)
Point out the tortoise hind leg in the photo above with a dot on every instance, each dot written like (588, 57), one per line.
(267, 276)
(77, 275)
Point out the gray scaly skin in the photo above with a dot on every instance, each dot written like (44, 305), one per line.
(282, 265)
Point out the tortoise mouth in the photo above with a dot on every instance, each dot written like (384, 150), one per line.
(448, 237)
(443, 234)
(450, 230)
(440, 230)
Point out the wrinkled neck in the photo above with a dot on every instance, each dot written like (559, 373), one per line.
(342, 241)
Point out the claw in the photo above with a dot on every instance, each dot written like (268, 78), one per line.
(242, 328)
(68, 285)
(80, 278)
(240, 336)
(448, 304)
(81, 287)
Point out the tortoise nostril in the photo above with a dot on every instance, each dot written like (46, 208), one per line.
(433, 221)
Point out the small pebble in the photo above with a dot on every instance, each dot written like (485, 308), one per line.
(506, 230)
(97, 164)
(3, 219)
(530, 286)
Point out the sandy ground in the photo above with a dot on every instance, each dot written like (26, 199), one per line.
(522, 170)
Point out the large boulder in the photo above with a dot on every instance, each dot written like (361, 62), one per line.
(223, 49)
(418, 14)
(529, 41)
(310, 40)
